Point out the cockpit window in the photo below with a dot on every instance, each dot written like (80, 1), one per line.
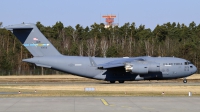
(187, 63)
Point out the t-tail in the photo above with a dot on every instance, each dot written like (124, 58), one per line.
(31, 37)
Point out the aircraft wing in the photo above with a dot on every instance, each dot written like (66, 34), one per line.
(110, 65)
(117, 63)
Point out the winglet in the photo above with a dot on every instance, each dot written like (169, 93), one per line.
(92, 62)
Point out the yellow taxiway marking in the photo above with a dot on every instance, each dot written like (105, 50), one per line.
(104, 102)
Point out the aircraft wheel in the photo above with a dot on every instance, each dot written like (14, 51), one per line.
(112, 81)
(184, 80)
(121, 81)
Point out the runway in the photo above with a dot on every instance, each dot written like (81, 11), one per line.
(100, 104)
(68, 95)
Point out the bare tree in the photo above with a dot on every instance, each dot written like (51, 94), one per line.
(92, 47)
(74, 35)
(66, 45)
(130, 46)
(63, 37)
(81, 49)
(89, 46)
(19, 61)
(146, 43)
(104, 47)
(152, 46)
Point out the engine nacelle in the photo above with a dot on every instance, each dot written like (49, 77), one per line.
(142, 67)
(137, 67)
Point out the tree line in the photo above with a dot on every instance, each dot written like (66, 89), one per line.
(169, 39)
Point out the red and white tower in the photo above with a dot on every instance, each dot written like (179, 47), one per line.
(109, 20)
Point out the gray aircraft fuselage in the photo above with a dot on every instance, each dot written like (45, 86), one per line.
(170, 67)
(109, 69)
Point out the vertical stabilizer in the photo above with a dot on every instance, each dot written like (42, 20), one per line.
(36, 43)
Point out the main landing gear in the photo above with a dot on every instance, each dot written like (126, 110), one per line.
(184, 80)
(121, 81)
(112, 81)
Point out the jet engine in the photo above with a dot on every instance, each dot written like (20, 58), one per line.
(142, 67)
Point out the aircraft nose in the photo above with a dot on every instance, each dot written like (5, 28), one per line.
(194, 69)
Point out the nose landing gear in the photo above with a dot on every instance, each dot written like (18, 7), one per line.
(184, 80)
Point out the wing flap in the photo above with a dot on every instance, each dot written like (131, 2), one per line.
(41, 65)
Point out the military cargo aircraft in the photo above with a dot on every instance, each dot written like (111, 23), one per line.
(108, 69)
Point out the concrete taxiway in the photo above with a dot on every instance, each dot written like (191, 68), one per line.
(100, 104)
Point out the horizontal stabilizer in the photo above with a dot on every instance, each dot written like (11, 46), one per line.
(36, 61)
(41, 65)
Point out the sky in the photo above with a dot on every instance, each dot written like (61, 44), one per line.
(87, 12)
